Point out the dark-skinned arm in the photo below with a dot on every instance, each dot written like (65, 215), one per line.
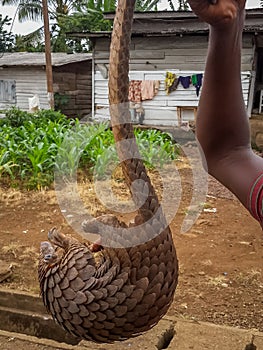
(222, 122)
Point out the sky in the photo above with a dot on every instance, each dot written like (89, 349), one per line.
(29, 26)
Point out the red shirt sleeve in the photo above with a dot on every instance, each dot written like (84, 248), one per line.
(255, 205)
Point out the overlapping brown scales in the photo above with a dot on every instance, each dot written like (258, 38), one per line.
(119, 291)
(112, 303)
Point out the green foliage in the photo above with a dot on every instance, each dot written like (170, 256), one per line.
(183, 5)
(6, 38)
(61, 100)
(33, 146)
(172, 7)
(65, 16)
(15, 117)
(146, 5)
(31, 42)
(86, 17)
(157, 148)
(28, 146)
(71, 16)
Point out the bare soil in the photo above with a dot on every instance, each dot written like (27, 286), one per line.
(221, 257)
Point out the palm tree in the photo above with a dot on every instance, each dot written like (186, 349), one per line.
(146, 5)
(6, 37)
(73, 15)
(183, 5)
(32, 10)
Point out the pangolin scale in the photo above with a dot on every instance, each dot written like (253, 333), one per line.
(122, 286)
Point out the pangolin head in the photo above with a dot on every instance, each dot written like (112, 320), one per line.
(48, 254)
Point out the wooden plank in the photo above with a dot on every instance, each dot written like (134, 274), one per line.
(138, 54)
(152, 117)
(148, 62)
(199, 51)
(103, 44)
(101, 102)
(164, 66)
(101, 93)
(175, 42)
(154, 102)
(176, 60)
(152, 114)
(186, 103)
(84, 88)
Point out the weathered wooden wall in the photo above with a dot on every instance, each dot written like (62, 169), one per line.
(28, 82)
(151, 58)
(72, 80)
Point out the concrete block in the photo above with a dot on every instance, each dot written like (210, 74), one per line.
(206, 336)
(156, 339)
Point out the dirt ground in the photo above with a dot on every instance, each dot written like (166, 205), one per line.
(221, 257)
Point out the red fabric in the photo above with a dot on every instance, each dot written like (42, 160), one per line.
(256, 198)
(135, 91)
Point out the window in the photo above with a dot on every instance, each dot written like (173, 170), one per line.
(8, 91)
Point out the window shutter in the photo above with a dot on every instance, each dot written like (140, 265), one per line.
(8, 91)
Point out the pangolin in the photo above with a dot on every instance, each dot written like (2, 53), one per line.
(122, 285)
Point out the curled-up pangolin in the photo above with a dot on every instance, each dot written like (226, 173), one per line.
(121, 285)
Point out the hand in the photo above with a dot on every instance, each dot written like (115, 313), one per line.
(218, 13)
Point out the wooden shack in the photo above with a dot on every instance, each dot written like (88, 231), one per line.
(23, 75)
(174, 42)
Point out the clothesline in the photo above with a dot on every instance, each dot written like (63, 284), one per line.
(142, 90)
(172, 81)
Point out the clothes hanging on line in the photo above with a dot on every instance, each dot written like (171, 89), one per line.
(197, 82)
(185, 81)
(148, 89)
(139, 91)
(171, 82)
(142, 90)
(135, 91)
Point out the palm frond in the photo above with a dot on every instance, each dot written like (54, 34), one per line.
(146, 5)
(172, 7)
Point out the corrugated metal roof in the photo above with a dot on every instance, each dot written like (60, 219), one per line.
(38, 58)
(173, 23)
(177, 15)
(156, 14)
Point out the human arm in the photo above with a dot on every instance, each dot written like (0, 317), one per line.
(222, 123)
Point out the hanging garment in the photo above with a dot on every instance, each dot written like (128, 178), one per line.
(197, 82)
(135, 91)
(171, 82)
(141, 90)
(185, 81)
(147, 89)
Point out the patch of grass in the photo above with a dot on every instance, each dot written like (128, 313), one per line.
(217, 281)
(28, 253)
(249, 278)
(11, 248)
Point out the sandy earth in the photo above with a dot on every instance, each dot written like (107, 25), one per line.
(221, 257)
